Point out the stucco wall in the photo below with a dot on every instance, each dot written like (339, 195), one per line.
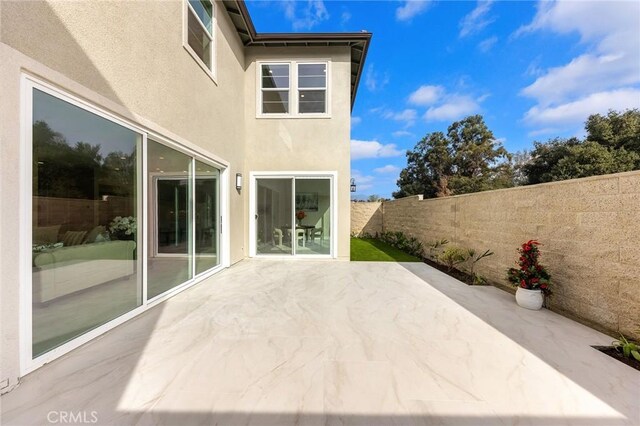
(86, 49)
(588, 227)
(305, 144)
(366, 218)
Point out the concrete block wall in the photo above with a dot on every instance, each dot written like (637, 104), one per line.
(366, 218)
(588, 227)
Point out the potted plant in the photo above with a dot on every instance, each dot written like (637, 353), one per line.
(300, 215)
(123, 228)
(531, 278)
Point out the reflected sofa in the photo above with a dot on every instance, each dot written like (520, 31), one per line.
(65, 270)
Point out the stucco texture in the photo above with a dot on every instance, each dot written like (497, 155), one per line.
(305, 144)
(588, 229)
(86, 49)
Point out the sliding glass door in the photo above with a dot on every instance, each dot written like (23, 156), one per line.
(184, 195)
(293, 215)
(94, 253)
(86, 221)
(313, 214)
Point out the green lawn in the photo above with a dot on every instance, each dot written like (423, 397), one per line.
(363, 250)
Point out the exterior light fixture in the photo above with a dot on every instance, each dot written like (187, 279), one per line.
(239, 181)
(353, 185)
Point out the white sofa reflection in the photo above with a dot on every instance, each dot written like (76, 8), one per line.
(65, 270)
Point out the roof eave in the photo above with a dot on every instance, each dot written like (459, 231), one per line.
(357, 42)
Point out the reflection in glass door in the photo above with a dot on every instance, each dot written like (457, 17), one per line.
(293, 225)
(274, 216)
(206, 221)
(313, 215)
(172, 213)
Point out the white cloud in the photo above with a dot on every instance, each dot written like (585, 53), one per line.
(374, 81)
(477, 19)
(577, 111)
(407, 116)
(544, 131)
(310, 14)
(345, 17)
(411, 8)
(605, 73)
(373, 149)
(486, 44)
(402, 133)
(454, 108)
(355, 120)
(388, 169)
(426, 95)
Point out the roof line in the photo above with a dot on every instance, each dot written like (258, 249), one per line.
(358, 41)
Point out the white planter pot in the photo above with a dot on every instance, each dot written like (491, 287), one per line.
(529, 299)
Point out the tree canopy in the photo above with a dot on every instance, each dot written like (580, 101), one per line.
(611, 145)
(467, 159)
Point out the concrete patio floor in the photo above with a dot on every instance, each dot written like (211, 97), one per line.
(317, 342)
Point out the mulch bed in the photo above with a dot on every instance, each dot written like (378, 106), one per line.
(613, 353)
(455, 273)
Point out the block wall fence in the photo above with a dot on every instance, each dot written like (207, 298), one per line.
(589, 229)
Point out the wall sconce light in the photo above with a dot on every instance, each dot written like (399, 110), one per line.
(239, 181)
(353, 185)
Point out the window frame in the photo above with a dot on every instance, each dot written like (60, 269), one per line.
(294, 89)
(275, 89)
(213, 46)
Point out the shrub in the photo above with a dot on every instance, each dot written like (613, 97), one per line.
(453, 256)
(434, 247)
(628, 349)
(475, 257)
(407, 244)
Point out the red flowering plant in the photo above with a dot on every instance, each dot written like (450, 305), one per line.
(300, 214)
(530, 274)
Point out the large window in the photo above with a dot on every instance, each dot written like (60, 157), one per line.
(94, 255)
(86, 218)
(293, 89)
(200, 32)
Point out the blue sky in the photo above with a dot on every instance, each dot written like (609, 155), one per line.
(534, 70)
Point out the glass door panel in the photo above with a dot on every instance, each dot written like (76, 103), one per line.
(86, 200)
(274, 216)
(171, 258)
(207, 239)
(313, 216)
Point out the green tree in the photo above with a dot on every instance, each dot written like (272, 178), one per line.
(615, 130)
(467, 159)
(612, 145)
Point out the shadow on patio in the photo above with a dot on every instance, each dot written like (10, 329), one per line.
(311, 342)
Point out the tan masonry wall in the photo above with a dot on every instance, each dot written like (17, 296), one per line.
(589, 229)
(366, 218)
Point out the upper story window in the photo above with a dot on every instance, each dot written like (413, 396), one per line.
(293, 89)
(312, 88)
(275, 88)
(200, 30)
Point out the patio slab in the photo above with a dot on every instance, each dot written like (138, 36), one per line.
(316, 342)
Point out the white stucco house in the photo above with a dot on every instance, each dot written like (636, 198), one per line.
(147, 145)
